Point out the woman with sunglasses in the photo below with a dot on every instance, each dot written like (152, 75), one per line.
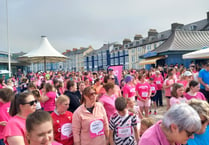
(62, 121)
(202, 108)
(21, 106)
(111, 79)
(90, 123)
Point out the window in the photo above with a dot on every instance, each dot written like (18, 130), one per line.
(121, 60)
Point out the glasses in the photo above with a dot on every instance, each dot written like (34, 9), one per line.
(189, 133)
(31, 103)
(204, 121)
(112, 78)
(91, 94)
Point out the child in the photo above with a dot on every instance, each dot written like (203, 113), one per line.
(153, 96)
(145, 124)
(167, 85)
(122, 124)
(143, 93)
(177, 94)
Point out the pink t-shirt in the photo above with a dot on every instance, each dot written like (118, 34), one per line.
(143, 90)
(183, 82)
(199, 95)
(168, 90)
(109, 104)
(55, 143)
(49, 105)
(154, 136)
(153, 88)
(15, 127)
(129, 90)
(178, 100)
(159, 82)
(4, 116)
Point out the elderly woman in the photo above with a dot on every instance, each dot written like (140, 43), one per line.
(179, 123)
(202, 108)
(90, 123)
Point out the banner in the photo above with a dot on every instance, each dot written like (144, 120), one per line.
(117, 70)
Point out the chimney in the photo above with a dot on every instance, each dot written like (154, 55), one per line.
(175, 26)
(74, 49)
(138, 37)
(152, 32)
(208, 16)
(126, 41)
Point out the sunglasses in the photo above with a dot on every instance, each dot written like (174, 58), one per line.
(91, 94)
(31, 103)
(189, 134)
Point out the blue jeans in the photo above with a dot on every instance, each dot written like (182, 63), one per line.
(1, 142)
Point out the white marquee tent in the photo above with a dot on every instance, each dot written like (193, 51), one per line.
(45, 53)
(199, 54)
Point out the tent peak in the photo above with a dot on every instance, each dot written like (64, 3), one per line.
(43, 36)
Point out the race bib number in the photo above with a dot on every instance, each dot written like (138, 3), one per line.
(158, 82)
(144, 94)
(66, 131)
(96, 128)
(124, 131)
(133, 90)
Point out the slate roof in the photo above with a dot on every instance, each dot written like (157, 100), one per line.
(184, 41)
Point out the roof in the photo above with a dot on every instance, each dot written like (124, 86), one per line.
(185, 41)
(78, 51)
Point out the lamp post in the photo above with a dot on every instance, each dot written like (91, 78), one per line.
(7, 22)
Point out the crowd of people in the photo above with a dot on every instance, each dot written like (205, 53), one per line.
(97, 108)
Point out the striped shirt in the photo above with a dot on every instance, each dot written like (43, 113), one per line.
(122, 126)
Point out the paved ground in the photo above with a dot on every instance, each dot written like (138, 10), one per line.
(160, 111)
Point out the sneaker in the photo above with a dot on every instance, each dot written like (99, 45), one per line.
(155, 113)
(150, 112)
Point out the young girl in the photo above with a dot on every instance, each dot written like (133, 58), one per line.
(153, 95)
(143, 93)
(167, 85)
(193, 91)
(145, 124)
(177, 94)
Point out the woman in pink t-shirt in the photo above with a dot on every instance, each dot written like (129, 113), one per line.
(5, 97)
(40, 129)
(108, 99)
(167, 85)
(129, 90)
(49, 98)
(143, 93)
(21, 106)
(177, 94)
(193, 91)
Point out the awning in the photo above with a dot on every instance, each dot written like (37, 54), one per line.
(151, 60)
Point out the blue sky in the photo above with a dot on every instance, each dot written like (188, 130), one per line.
(79, 23)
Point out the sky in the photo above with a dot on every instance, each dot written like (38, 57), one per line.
(72, 24)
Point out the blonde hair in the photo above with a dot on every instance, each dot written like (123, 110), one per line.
(147, 122)
(61, 99)
(201, 106)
